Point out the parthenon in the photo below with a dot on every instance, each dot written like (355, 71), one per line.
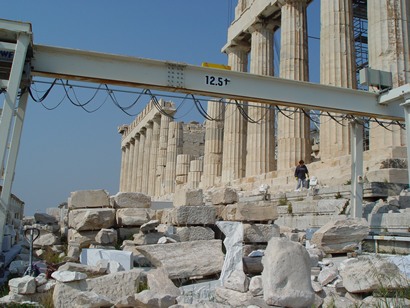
(265, 146)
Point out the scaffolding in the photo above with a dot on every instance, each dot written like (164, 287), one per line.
(361, 50)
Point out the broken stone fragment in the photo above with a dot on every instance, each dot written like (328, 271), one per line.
(88, 199)
(186, 259)
(341, 236)
(224, 196)
(91, 219)
(68, 276)
(23, 285)
(188, 197)
(281, 286)
(131, 200)
(106, 237)
(131, 217)
(251, 211)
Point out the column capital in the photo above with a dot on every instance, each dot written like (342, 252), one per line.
(238, 47)
(290, 2)
(267, 24)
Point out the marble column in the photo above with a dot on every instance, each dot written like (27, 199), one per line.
(260, 156)
(133, 187)
(122, 180)
(147, 157)
(129, 164)
(388, 44)
(162, 156)
(235, 126)
(214, 131)
(293, 132)
(337, 68)
(175, 140)
(196, 168)
(141, 160)
(182, 169)
(153, 155)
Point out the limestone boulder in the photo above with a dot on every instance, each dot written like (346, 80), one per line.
(341, 236)
(188, 197)
(224, 196)
(234, 298)
(23, 285)
(82, 268)
(88, 199)
(46, 239)
(43, 218)
(131, 217)
(91, 219)
(158, 281)
(91, 299)
(251, 211)
(152, 299)
(260, 233)
(286, 274)
(117, 285)
(367, 274)
(150, 226)
(190, 215)
(237, 281)
(82, 239)
(147, 238)
(65, 293)
(131, 200)
(256, 286)
(106, 237)
(186, 259)
(68, 276)
(196, 233)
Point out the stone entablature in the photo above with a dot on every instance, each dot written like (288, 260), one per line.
(143, 118)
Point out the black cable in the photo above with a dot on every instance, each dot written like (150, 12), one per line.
(158, 105)
(285, 115)
(45, 94)
(201, 109)
(334, 119)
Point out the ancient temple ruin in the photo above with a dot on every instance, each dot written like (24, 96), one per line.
(246, 154)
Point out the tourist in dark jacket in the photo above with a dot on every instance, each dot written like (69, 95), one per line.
(301, 174)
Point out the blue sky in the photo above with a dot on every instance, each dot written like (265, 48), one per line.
(68, 149)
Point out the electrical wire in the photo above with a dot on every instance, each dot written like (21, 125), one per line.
(197, 104)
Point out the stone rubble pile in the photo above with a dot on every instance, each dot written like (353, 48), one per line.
(258, 264)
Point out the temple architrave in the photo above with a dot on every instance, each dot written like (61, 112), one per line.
(160, 155)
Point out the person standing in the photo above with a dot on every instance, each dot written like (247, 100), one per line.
(301, 174)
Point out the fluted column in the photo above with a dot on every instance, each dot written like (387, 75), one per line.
(141, 160)
(214, 131)
(147, 158)
(122, 174)
(235, 126)
(388, 44)
(133, 187)
(130, 164)
(293, 132)
(127, 156)
(162, 156)
(261, 135)
(337, 67)
(153, 155)
(175, 140)
(182, 169)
